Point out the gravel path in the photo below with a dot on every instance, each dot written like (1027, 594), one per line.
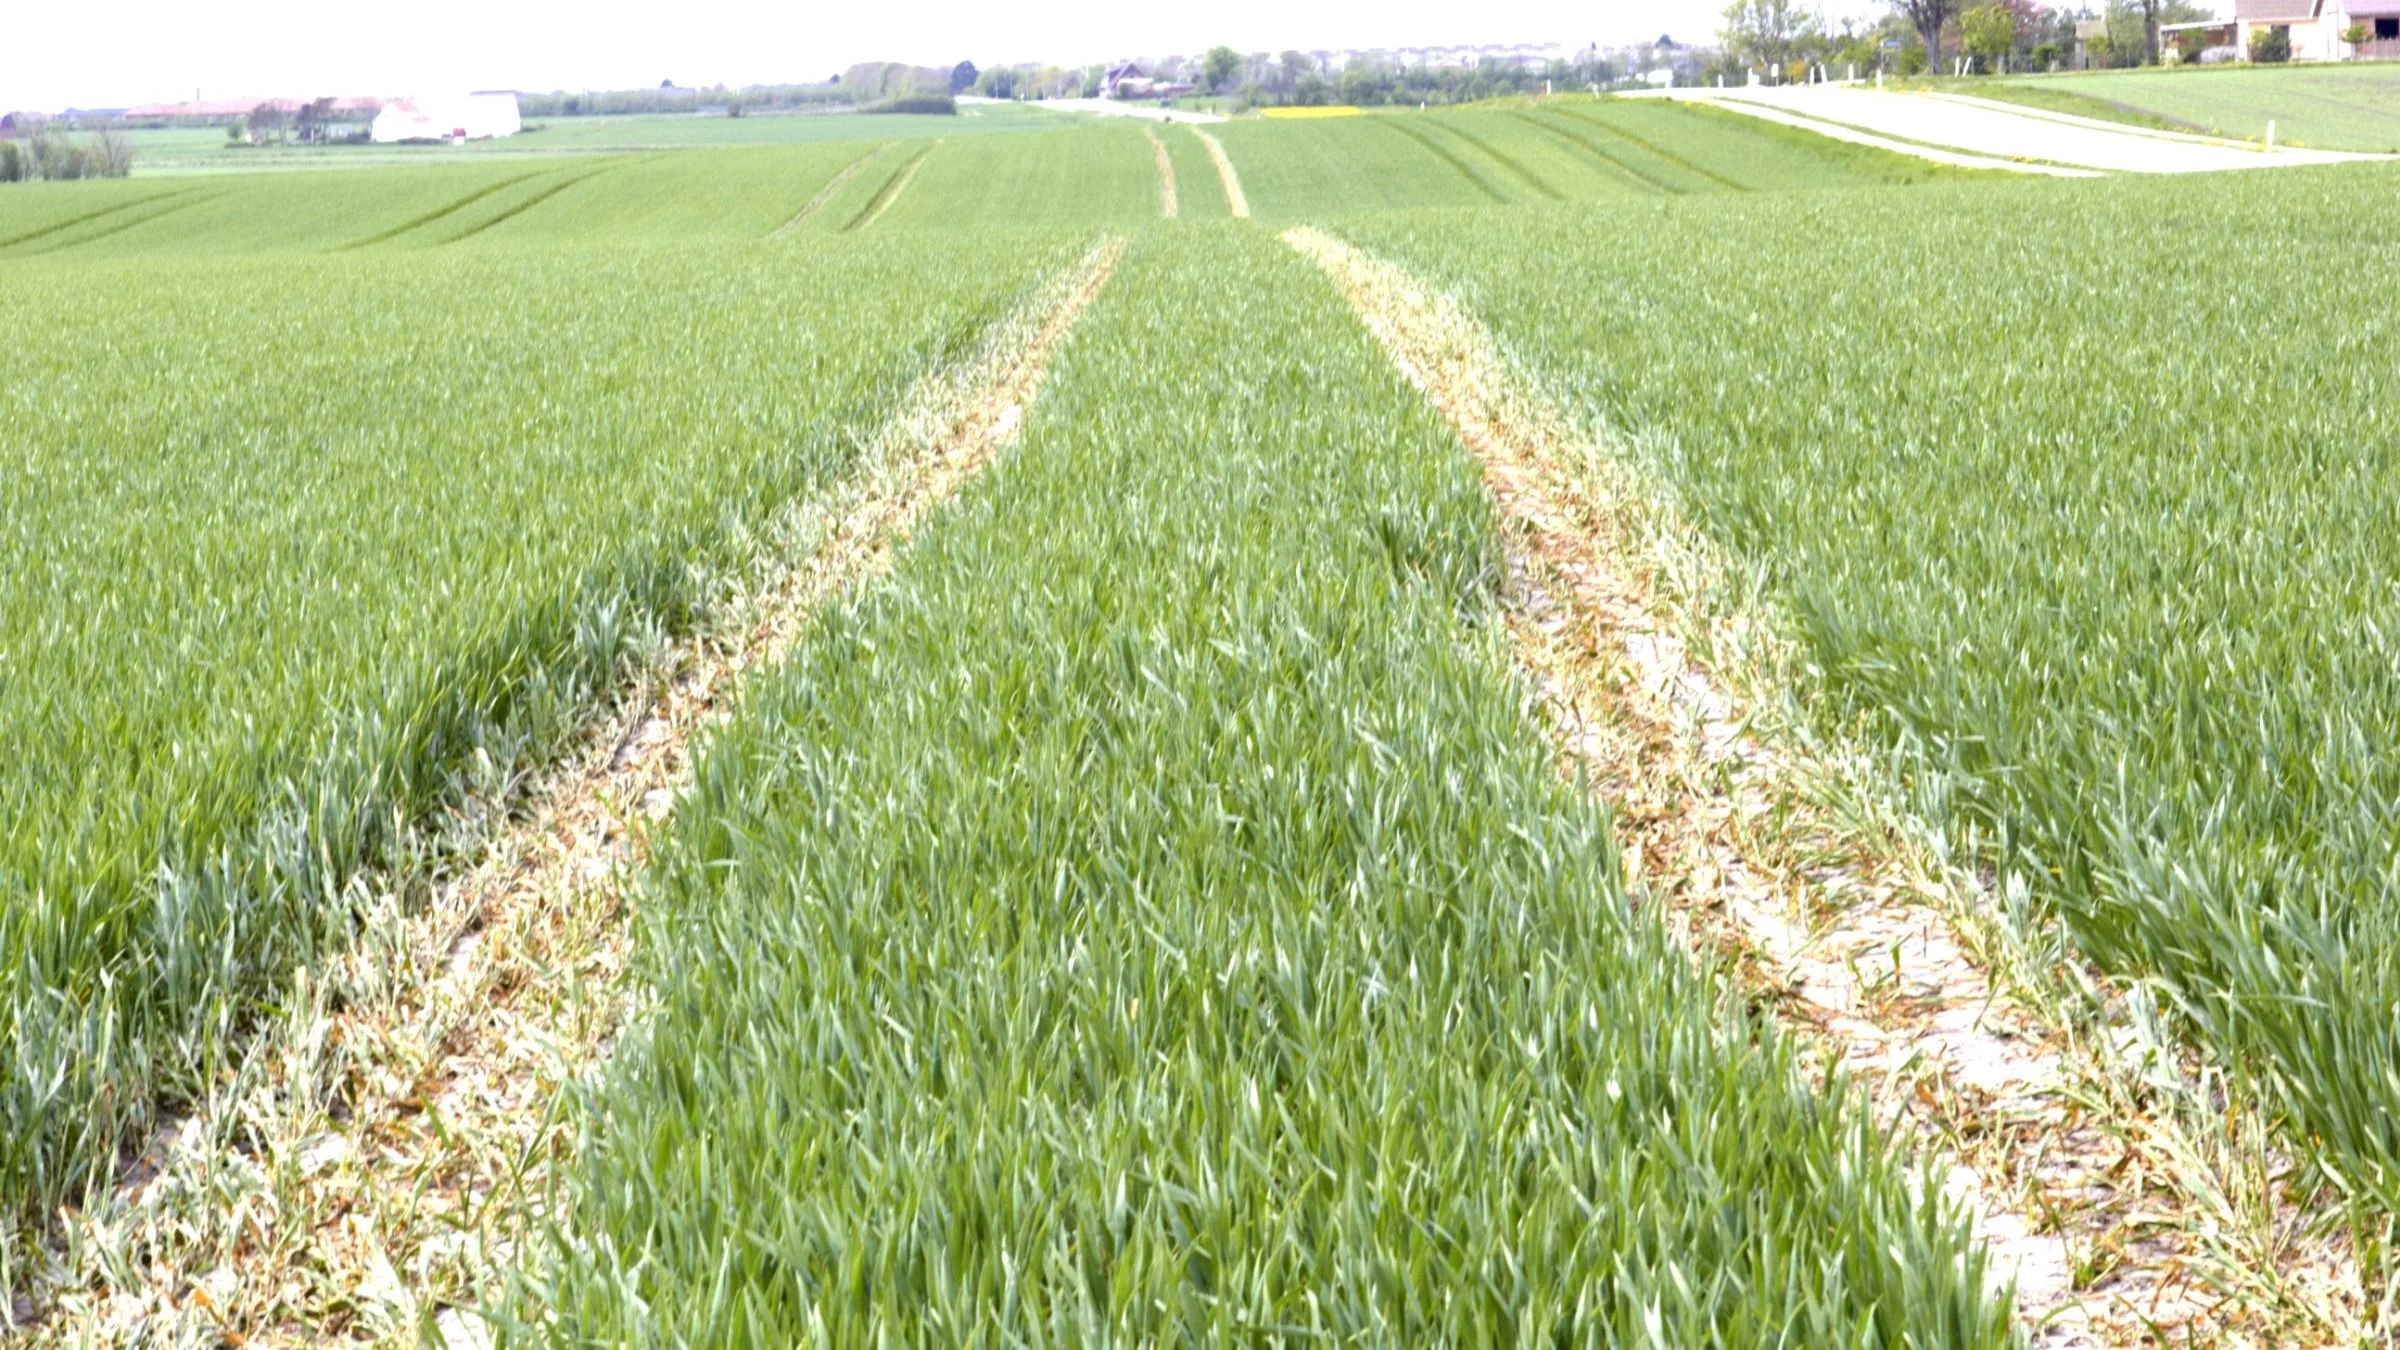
(1109, 107)
(1934, 126)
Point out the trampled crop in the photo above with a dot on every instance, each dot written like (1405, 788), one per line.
(292, 542)
(1150, 919)
(2105, 556)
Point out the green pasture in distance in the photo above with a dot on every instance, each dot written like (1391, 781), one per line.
(1538, 152)
(2345, 105)
(2114, 579)
(1089, 171)
(693, 196)
(726, 195)
(660, 131)
(197, 150)
(292, 539)
(1151, 918)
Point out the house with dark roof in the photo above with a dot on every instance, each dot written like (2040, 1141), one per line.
(1127, 81)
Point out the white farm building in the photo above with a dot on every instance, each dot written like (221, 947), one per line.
(459, 117)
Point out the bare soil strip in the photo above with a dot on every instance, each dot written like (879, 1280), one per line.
(1166, 176)
(373, 1167)
(1235, 202)
(2117, 1223)
(889, 192)
(826, 193)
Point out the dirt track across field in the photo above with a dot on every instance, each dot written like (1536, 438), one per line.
(1235, 202)
(1110, 107)
(826, 193)
(1167, 208)
(2109, 1235)
(1943, 127)
(371, 1169)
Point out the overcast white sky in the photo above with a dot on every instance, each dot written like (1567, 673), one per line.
(139, 51)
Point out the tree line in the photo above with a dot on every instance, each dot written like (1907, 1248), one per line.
(1784, 38)
(41, 154)
(1297, 79)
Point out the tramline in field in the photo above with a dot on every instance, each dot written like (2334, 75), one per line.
(2132, 660)
(1153, 910)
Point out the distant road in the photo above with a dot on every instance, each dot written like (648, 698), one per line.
(1981, 133)
(1109, 107)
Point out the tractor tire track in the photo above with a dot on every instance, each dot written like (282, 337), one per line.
(889, 192)
(1660, 151)
(399, 1133)
(1237, 205)
(89, 216)
(826, 193)
(1447, 156)
(115, 227)
(1599, 156)
(1166, 176)
(526, 205)
(1505, 160)
(2105, 1232)
(439, 212)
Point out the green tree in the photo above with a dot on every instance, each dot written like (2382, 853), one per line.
(1929, 18)
(313, 118)
(1295, 65)
(1218, 67)
(1988, 32)
(2134, 24)
(112, 154)
(1768, 33)
(267, 122)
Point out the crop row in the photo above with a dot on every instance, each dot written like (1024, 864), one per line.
(1552, 150)
(1071, 175)
(1151, 916)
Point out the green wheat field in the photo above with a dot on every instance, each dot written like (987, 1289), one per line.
(1152, 912)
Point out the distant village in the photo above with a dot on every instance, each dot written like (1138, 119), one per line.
(94, 142)
(2127, 33)
(1358, 75)
(260, 120)
(1350, 74)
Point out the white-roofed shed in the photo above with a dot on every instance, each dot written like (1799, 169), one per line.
(471, 117)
